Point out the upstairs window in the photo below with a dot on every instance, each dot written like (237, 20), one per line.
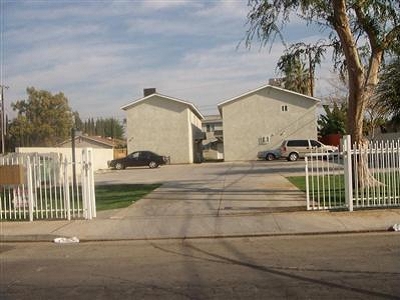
(263, 140)
(210, 128)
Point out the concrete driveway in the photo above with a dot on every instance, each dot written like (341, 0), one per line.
(212, 189)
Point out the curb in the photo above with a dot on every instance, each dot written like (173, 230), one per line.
(45, 238)
(27, 238)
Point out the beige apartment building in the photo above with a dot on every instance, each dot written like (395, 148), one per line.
(166, 126)
(262, 118)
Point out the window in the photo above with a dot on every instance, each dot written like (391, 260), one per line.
(210, 128)
(284, 108)
(144, 154)
(263, 140)
(297, 143)
(315, 144)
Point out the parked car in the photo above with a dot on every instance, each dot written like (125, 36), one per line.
(138, 159)
(269, 154)
(292, 150)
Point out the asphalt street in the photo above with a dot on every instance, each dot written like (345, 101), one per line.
(347, 266)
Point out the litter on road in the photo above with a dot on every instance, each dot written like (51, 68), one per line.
(65, 240)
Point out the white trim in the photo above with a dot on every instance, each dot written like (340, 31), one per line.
(221, 104)
(191, 105)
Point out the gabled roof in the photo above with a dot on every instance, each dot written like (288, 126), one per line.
(220, 105)
(102, 140)
(190, 105)
(107, 142)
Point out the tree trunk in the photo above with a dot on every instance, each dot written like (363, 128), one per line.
(311, 72)
(355, 116)
(360, 88)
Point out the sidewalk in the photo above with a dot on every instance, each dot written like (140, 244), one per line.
(144, 228)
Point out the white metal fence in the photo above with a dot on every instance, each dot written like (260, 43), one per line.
(48, 189)
(360, 176)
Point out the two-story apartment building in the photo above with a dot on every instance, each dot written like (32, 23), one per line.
(213, 148)
(165, 125)
(262, 118)
(254, 121)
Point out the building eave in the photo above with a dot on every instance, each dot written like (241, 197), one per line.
(231, 100)
(191, 106)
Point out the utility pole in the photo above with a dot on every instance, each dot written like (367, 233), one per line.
(3, 129)
(73, 129)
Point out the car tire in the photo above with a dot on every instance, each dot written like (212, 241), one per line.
(119, 166)
(293, 156)
(153, 165)
(270, 157)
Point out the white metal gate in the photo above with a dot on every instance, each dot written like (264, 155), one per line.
(360, 176)
(48, 189)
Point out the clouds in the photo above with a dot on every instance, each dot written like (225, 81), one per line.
(101, 54)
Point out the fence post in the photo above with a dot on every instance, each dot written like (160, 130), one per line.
(85, 203)
(91, 183)
(30, 188)
(88, 184)
(66, 191)
(307, 184)
(348, 171)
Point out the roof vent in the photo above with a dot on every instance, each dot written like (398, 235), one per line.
(148, 92)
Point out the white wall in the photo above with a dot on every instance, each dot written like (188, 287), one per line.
(100, 156)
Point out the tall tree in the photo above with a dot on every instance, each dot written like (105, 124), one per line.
(113, 128)
(361, 31)
(306, 57)
(77, 121)
(295, 74)
(388, 91)
(43, 119)
(108, 127)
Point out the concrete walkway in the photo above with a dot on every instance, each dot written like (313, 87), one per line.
(207, 201)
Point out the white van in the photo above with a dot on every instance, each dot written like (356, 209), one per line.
(292, 150)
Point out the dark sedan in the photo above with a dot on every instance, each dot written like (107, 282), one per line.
(138, 159)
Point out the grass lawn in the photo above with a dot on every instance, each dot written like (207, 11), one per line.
(331, 189)
(120, 195)
(327, 190)
(299, 182)
(319, 182)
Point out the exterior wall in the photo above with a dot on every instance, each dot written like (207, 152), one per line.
(256, 122)
(162, 126)
(392, 136)
(195, 138)
(100, 156)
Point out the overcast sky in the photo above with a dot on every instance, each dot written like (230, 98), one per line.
(101, 54)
